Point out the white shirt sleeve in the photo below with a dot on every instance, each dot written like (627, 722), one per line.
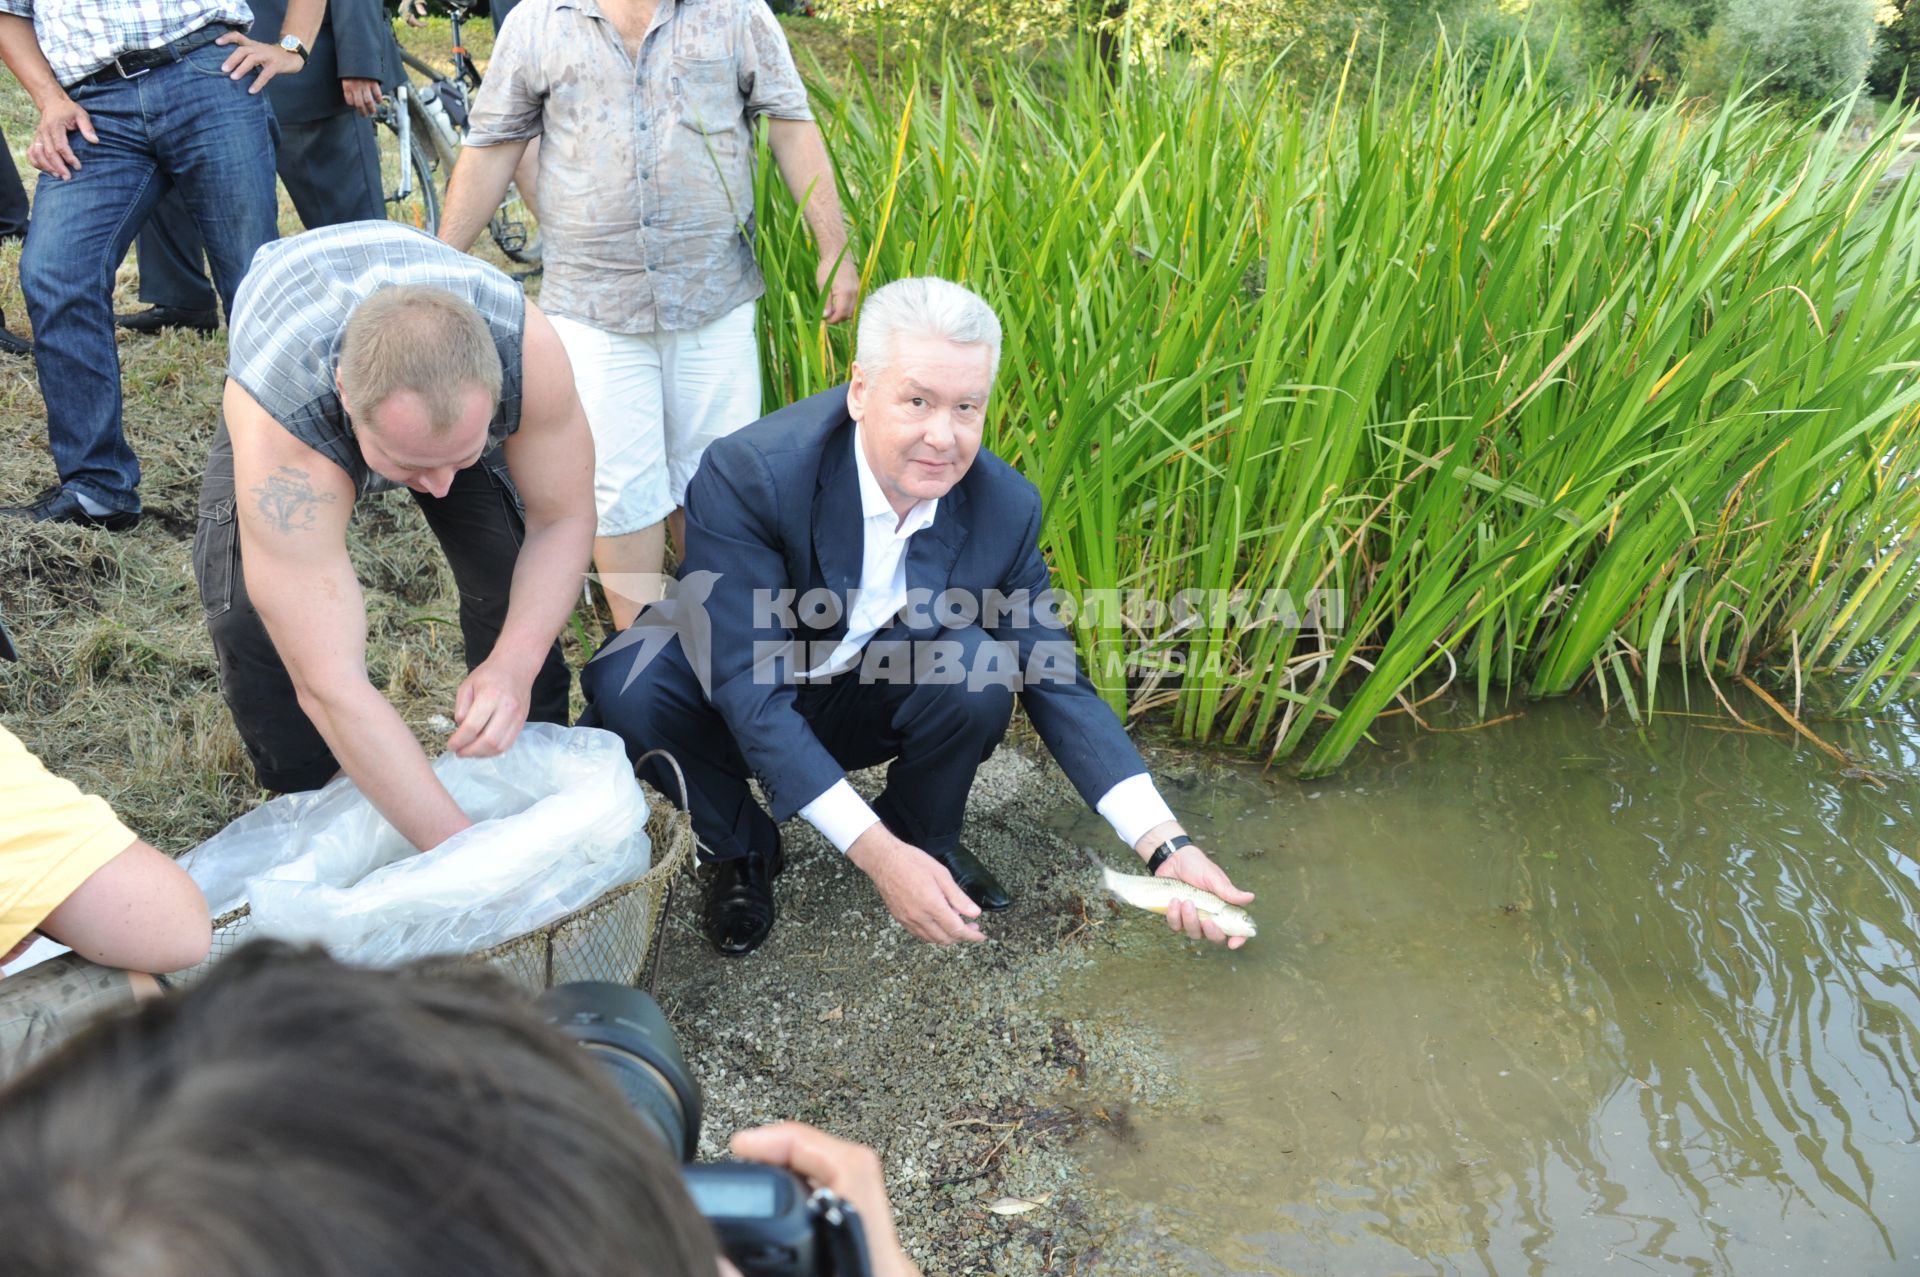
(1132, 807)
(840, 814)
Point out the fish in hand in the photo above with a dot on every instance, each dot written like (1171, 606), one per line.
(1156, 894)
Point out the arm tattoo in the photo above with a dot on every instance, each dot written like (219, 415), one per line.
(287, 500)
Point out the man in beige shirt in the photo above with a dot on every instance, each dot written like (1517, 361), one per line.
(646, 111)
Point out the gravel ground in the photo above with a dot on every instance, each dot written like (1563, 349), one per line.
(949, 1061)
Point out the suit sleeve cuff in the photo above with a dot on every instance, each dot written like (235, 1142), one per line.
(840, 815)
(1133, 807)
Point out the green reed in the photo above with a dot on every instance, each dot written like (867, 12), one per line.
(1552, 389)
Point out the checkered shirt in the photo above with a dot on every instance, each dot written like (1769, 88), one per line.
(81, 36)
(283, 341)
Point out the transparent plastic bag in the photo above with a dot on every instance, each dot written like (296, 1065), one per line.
(558, 821)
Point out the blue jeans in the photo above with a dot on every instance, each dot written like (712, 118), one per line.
(184, 126)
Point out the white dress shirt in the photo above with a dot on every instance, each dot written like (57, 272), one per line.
(1132, 807)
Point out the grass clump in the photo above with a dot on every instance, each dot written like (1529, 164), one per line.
(1553, 388)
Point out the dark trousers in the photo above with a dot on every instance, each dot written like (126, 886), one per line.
(935, 735)
(331, 168)
(13, 198)
(479, 526)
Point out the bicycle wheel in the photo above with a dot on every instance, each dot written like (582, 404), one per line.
(406, 174)
(514, 229)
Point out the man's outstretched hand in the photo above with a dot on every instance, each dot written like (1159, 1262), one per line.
(1192, 866)
(920, 893)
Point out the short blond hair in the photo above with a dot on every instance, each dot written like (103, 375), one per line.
(419, 338)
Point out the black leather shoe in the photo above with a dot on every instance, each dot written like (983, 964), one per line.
(57, 505)
(975, 879)
(12, 343)
(155, 318)
(738, 913)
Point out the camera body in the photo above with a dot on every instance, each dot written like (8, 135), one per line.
(769, 1223)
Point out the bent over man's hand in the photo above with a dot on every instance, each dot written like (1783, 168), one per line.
(920, 894)
(491, 707)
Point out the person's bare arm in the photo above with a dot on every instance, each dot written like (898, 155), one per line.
(50, 151)
(293, 505)
(478, 184)
(140, 910)
(801, 155)
(551, 459)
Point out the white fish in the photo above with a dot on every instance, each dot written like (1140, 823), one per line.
(1155, 894)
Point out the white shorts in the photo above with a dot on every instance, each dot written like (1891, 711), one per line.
(654, 402)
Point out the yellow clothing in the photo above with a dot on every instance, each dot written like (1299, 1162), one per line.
(52, 839)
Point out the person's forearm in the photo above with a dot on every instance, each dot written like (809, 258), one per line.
(378, 752)
(20, 50)
(546, 585)
(801, 155)
(303, 21)
(479, 183)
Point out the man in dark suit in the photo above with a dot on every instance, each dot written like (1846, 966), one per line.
(864, 583)
(328, 158)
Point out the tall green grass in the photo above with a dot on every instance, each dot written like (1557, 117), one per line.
(1553, 388)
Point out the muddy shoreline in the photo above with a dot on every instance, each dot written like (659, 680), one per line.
(954, 1063)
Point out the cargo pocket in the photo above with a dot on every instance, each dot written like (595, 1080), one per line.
(216, 557)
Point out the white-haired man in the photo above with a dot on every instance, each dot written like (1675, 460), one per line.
(365, 357)
(863, 584)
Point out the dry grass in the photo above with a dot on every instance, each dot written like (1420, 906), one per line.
(117, 686)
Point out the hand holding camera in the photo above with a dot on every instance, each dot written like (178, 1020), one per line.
(850, 1171)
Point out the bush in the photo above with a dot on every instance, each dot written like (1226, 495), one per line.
(1813, 50)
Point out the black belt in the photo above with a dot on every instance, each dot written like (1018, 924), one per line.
(141, 61)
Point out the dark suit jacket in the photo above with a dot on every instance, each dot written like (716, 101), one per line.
(355, 42)
(777, 506)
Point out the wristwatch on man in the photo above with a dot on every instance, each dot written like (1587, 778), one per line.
(1164, 852)
(291, 43)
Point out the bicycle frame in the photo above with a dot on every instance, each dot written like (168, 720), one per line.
(403, 128)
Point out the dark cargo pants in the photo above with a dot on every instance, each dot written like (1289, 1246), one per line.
(480, 527)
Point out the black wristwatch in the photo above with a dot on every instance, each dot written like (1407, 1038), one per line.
(291, 43)
(1164, 852)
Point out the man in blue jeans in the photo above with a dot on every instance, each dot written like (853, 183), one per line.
(136, 98)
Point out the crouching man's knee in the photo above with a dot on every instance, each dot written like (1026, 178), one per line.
(970, 674)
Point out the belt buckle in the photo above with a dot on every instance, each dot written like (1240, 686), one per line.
(126, 74)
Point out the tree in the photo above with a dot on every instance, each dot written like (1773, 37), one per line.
(1899, 56)
(1645, 42)
(1814, 50)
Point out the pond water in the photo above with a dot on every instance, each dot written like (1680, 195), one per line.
(1557, 995)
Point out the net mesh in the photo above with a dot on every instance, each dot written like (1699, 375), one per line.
(611, 939)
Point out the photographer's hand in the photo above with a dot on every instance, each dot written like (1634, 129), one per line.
(848, 1169)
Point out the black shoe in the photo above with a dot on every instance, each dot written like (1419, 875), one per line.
(975, 879)
(12, 343)
(57, 505)
(155, 318)
(738, 914)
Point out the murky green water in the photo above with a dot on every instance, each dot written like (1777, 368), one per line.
(1552, 996)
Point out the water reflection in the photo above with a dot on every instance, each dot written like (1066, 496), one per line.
(1554, 996)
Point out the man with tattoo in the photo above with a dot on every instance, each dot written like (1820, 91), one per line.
(361, 358)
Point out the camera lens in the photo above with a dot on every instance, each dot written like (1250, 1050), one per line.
(626, 1031)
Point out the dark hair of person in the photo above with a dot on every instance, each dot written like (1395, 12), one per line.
(293, 1117)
